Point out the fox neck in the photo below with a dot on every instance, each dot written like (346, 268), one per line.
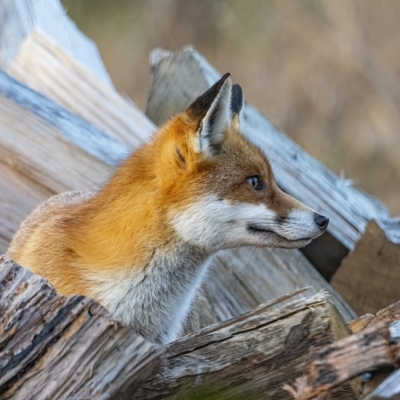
(156, 299)
(133, 261)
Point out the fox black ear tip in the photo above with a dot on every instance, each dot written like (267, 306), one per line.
(226, 76)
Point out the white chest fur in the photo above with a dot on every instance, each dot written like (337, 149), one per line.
(155, 301)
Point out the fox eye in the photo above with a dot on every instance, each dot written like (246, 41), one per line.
(255, 182)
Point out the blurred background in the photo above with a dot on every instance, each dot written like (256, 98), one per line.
(325, 72)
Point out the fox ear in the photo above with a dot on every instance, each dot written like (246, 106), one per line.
(213, 110)
(236, 101)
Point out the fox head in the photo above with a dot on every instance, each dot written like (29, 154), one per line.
(220, 191)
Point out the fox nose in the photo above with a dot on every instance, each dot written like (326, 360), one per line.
(321, 221)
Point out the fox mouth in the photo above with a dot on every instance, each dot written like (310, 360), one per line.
(257, 229)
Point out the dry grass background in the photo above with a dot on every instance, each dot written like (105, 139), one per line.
(327, 72)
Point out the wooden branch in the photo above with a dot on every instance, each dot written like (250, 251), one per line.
(64, 347)
(178, 78)
(374, 268)
(251, 356)
(376, 345)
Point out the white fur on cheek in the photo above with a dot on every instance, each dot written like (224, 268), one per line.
(216, 224)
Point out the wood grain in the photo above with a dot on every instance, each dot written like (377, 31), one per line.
(48, 69)
(55, 347)
(243, 278)
(375, 344)
(44, 149)
(19, 18)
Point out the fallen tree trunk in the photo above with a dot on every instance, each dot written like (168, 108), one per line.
(178, 78)
(55, 347)
(251, 356)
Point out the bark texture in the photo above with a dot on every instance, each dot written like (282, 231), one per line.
(55, 347)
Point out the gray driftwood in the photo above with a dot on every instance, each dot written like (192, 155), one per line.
(44, 149)
(19, 195)
(54, 347)
(19, 18)
(41, 47)
(251, 356)
(178, 78)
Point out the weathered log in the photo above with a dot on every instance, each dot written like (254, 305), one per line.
(375, 343)
(178, 78)
(388, 315)
(61, 152)
(49, 54)
(55, 347)
(19, 18)
(369, 276)
(366, 350)
(19, 196)
(251, 356)
(44, 149)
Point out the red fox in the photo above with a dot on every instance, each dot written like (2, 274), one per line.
(141, 245)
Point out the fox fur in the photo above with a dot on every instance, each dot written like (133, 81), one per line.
(141, 245)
